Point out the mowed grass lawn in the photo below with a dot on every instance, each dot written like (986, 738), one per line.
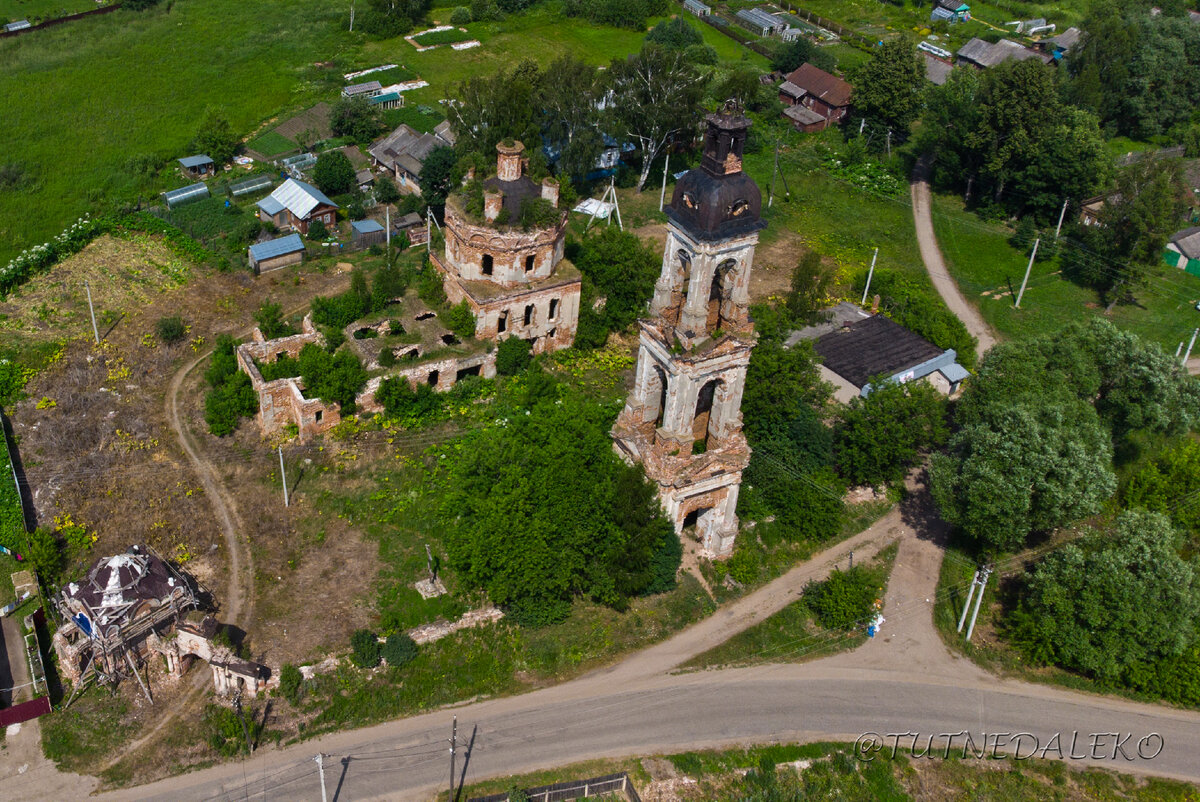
(41, 10)
(981, 259)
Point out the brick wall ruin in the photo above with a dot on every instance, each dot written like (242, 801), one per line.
(282, 401)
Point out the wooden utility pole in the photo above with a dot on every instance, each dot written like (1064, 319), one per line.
(1028, 268)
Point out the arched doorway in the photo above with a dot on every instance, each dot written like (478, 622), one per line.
(704, 405)
(720, 292)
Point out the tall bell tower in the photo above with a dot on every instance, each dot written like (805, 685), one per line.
(683, 420)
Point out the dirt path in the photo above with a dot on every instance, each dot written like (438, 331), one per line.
(931, 255)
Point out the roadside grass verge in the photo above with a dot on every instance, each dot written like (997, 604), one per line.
(794, 634)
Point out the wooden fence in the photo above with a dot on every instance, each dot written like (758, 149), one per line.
(574, 789)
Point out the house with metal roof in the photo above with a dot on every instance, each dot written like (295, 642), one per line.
(403, 153)
(295, 205)
(198, 166)
(983, 54)
(760, 22)
(183, 195)
(817, 90)
(1183, 250)
(856, 346)
(276, 253)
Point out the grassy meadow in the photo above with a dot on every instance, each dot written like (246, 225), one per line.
(41, 10)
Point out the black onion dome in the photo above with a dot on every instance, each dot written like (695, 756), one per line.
(717, 200)
(711, 208)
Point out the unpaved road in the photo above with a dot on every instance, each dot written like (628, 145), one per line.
(935, 265)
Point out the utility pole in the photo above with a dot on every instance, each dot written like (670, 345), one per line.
(428, 233)
(92, 309)
(387, 216)
(351, 17)
(967, 194)
(453, 744)
(283, 476)
(1179, 349)
(321, 768)
(662, 196)
(983, 580)
(1028, 268)
(862, 124)
(889, 143)
(237, 706)
(1187, 354)
(870, 273)
(962, 619)
(1061, 215)
(774, 174)
(852, 561)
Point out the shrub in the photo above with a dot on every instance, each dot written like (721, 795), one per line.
(291, 683)
(402, 402)
(225, 406)
(364, 647)
(460, 16)
(399, 649)
(513, 356)
(387, 358)
(843, 600)
(317, 230)
(170, 329)
(222, 731)
(460, 320)
(269, 318)
(45, 555)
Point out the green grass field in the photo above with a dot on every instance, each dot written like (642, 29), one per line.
(982, 261)
(40, 10)
(271, 143)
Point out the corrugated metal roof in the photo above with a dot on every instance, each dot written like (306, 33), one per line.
(1188, 242)
(386, 97)
(276, 247)
(820, 84)
(298, 198)
(251, 185)
(194, 192)
(270, 205)
(364, 88)
(802, 115)
(366, 226)
(195, 161)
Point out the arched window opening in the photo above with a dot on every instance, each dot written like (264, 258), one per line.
(704, 405)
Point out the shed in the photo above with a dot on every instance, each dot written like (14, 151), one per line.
(1183, 250)
(197, 166)
(365, 233)
(251, 185)
(387, 100)
(983, 54)
(758, 21)
(950, 10)
(697, 8)
(413, 226)
(936, 69)
(178, 197)
(276, 253)
(805, 119)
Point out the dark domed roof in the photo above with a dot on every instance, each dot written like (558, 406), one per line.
(717, 200)
(711, 208)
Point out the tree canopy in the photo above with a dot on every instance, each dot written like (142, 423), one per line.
(1111, 603)
(788, 56)
(879, 437)
(620, 269)
(216, 137)
(437, 176)
(889, 88)
(334, 378)
(540, 511)
(357, 119)
(333, 173)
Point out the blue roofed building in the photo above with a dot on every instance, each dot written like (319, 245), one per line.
(277, 253)
(198, 166)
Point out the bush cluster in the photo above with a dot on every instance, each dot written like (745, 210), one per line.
(231, 397)
(364, 648)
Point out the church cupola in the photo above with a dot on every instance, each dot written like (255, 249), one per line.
(718, 200)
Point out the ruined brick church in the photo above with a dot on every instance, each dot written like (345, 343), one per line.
(683, 420)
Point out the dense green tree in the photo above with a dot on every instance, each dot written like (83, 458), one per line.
(357, 119)
(879, 437)
(269, 318)
(317, 230)
(656, 100)
(385, 190)
(674, 34)
(809, 293)
(437, 176)
(459, 320)
(743, 85)
(513, 356)
(333, 173)
(216, 137)
(1024, 470)
(567, 96)
(402, 401)
(226, 405)
(334, 378)
(541, 510)
(399, 650)
(621, 269)
(1112, 602)
(888, 89)
(618, 13)
(789, 56)
(1169, 484)
(365, 651)
(781, 384)
(490, 108)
